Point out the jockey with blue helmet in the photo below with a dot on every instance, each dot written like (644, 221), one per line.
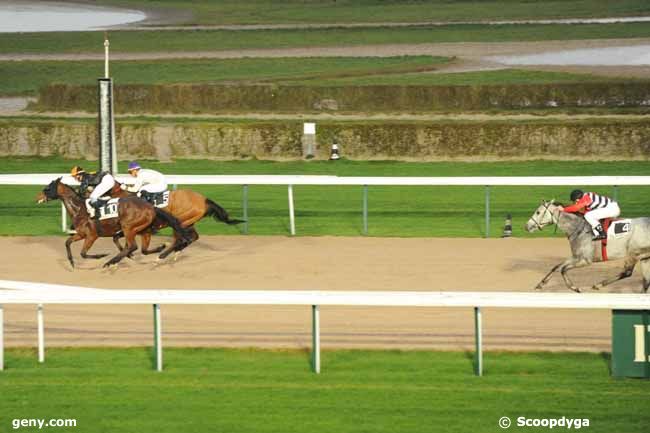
(146, 180)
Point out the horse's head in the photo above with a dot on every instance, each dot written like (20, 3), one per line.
(50, 192)
(543, 216)
(55, 190)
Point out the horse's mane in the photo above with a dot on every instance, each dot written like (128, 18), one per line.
(70, 187)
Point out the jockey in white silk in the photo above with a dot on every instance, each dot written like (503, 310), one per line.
(147, 180)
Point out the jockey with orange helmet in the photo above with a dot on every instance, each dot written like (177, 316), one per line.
(595, 208)
(101, 182)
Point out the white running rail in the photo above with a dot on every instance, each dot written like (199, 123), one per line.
(40, 294)
(365, 182)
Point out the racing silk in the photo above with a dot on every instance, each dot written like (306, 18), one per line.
(93, 179)
(150, 181)
(589, 202)
(102, 183)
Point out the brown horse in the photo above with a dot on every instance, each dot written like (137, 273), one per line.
(188, 207)
(135, 216)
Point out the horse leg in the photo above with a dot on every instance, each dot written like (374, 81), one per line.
(628, 268)
(572, 263)
(173, 247)
(548, 276)
(88, 242)
(194, 236)
(130, 247)
(74, 238)
(116, 240)
(645, 271)
(146, 240)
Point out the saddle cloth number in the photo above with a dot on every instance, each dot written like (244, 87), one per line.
(159, 199)
(109, 210)
(620, 228)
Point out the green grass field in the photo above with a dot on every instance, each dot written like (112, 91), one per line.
(346, 11)
(27, 77)
(220, 390)
(393, 211)
(210, 40)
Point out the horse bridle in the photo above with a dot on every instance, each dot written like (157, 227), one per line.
(546, 209)
(539, 226)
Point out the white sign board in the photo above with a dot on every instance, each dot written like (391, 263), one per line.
(309, 129)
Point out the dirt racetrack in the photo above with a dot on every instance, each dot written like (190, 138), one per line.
(306, 263)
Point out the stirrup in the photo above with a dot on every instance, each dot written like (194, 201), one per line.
(599, 237)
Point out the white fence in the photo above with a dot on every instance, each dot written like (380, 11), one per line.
(40, 294)
(365, 182)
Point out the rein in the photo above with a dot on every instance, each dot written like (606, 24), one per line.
(72, 200)
(539, 226)
(555, 220)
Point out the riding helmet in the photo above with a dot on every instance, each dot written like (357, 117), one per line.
(76, 171)
(133, 165)
(576, 194)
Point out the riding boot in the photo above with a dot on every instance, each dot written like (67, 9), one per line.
(601, 233)
(97, 205)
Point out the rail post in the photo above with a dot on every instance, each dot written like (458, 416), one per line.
(157, 339)
(315, 337)
(41, 333)
(2, 340)
(478, 365)
(64, 218)
(292, 217)
(245, 207)
(365, 209)
(487, 211)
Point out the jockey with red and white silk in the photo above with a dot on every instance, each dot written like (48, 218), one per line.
(595, 207)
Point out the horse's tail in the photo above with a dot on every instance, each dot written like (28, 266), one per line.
(219, 213)
(171, 221)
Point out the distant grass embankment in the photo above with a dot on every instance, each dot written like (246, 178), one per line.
(351, 11)
(246, 390)
(25, 78)
(211, 40)
(337, 211)
(211, 98)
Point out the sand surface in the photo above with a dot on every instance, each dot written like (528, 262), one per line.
(313, 263)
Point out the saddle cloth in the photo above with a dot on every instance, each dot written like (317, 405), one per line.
(158, 199)
(615, 229)
(108, 210)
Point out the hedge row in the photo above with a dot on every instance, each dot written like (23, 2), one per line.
(587, 140)
(206, 98)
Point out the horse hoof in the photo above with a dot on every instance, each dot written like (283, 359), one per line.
(595, 287)
(538, 287)
(176, 254)
(575, 289)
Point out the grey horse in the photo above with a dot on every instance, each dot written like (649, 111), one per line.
(632, 244)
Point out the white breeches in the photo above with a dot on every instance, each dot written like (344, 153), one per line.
(155, 187)
(104, 186)
(610, 211)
